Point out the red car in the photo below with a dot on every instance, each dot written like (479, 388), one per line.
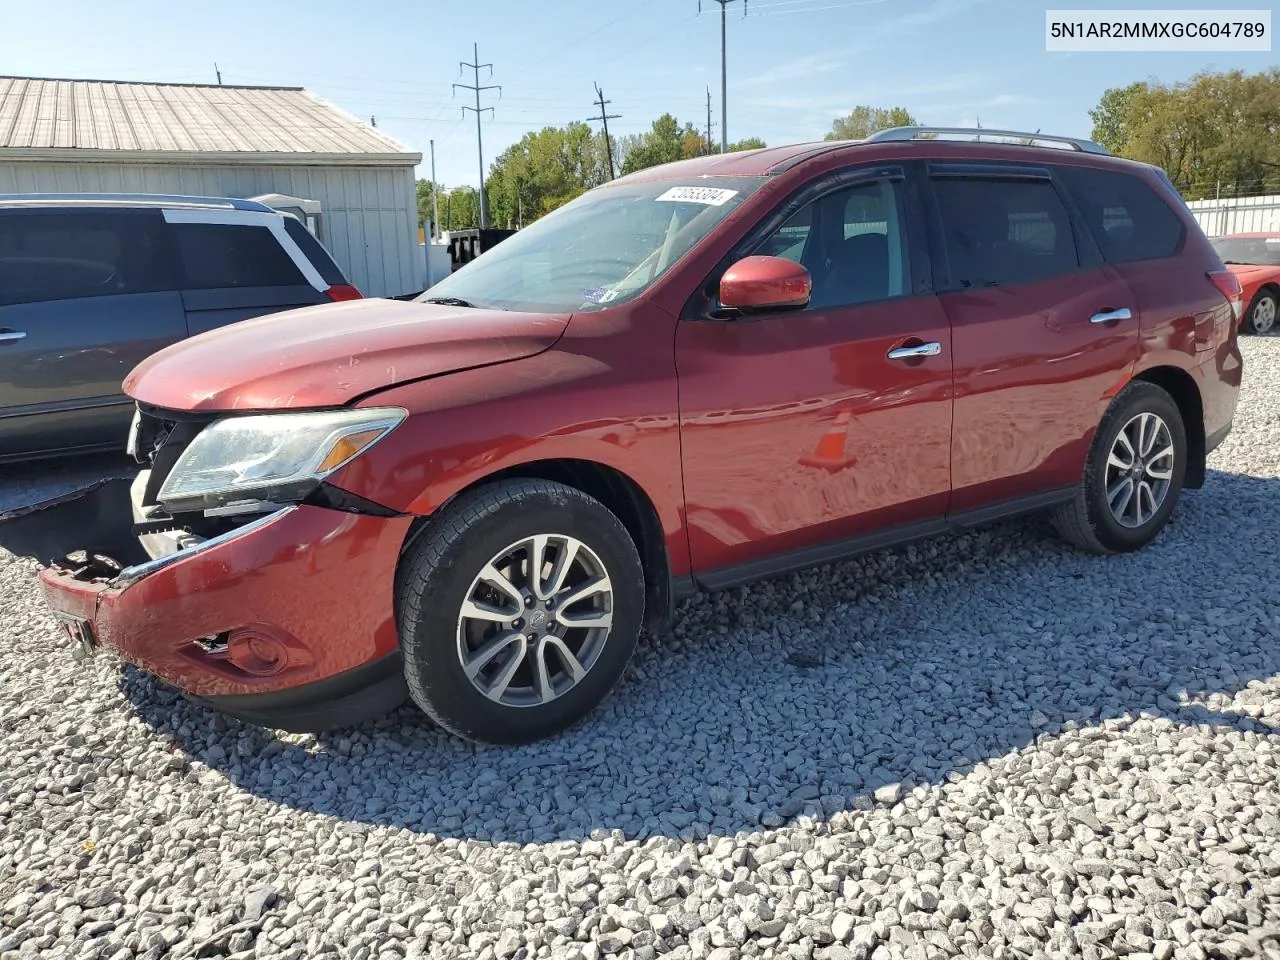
(695, 376)
(1255, 260)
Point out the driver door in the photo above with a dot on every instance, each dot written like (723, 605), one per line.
(808, 434)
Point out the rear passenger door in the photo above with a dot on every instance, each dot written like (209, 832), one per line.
(235, 267)
(1043, 332)
(1139, 234)
(85, 295)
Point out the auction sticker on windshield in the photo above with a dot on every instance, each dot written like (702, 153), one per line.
(712, 196)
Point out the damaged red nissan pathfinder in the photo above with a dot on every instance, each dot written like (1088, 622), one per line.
(695, 376)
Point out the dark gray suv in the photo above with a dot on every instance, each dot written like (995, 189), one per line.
(92, 284)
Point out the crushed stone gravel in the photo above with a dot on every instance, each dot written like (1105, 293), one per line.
(983, 746)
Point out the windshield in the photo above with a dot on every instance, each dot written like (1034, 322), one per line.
(600, 250)
(1259, 250)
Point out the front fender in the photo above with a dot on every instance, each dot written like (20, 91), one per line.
(558, 405)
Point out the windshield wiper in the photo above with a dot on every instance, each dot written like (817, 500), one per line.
(450, 302)
(1240, 263)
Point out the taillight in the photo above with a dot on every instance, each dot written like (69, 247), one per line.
(343, 291)
(1228, 285)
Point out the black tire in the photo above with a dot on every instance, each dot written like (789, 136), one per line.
(1087, 521)
(1265, 299)
(437, 572)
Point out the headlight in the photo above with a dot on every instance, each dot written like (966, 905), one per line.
(279, 457)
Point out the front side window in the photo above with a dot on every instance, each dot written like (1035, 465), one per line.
(1259, 251)
(851, 241)
(1004, 231)
(63, 255)
(600, 250)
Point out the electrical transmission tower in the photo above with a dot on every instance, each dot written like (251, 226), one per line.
(477, 110)
(604, 118)
(724, 72)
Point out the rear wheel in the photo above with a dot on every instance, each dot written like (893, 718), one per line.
(518, 610)
(1133, 476)
(1261, 317)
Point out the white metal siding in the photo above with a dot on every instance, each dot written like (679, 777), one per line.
(369, 213)
(1237, 215)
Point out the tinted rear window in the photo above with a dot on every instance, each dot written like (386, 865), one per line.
(1127, 217)
(62, 255)
(230, 255)
(313, 251)
(1004, 231)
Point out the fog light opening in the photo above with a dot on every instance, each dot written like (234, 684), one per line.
(257, 654)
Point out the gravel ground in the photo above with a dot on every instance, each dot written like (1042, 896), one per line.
(987, 746)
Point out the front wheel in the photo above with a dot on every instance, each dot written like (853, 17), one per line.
(1261, 317)
(518, 609)
(1133, 475)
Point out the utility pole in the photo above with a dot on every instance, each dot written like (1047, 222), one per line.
(724, 72)
(435, 200)
(476, 88)
(219, 73)
(604, 118)
(708, 121)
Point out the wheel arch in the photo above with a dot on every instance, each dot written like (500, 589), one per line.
(621, 495)
(1181, 386)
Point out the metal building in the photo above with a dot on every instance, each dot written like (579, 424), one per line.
(70, 136)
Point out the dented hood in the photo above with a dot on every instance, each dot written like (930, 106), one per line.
(328, 355)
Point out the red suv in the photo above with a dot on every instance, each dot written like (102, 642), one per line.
(695, 376)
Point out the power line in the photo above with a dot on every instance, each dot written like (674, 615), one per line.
(476, 88)
(724, 71)
(601, 102)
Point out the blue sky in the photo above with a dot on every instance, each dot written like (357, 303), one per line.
(793, 64)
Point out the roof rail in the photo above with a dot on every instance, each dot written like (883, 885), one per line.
(129, 200)
(895, 134)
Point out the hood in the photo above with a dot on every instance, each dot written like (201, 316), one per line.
(1248, 270)
(328, 355)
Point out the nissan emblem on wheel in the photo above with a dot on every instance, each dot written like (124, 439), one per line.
(692, 377)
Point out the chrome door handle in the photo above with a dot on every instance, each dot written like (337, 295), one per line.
(920, 350)
(7, 336)
(1110, 316)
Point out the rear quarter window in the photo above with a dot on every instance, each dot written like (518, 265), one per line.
(64, 255)
(313, 251)
(1127, 218)
(216, 255)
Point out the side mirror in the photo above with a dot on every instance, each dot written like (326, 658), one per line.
(764, 283)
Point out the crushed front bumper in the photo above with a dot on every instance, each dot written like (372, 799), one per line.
(314, 585)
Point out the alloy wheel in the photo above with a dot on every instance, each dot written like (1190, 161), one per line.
(535, 620)
(1139, 470)
(1264, 315)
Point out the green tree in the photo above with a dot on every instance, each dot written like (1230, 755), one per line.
(1111, 117)
(665, 142)
(864, 121)
(1216, 131)
(668, 140)
(424, 200)
(460, 209)
(543, 171)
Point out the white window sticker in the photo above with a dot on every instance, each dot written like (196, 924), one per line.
(712, 196)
